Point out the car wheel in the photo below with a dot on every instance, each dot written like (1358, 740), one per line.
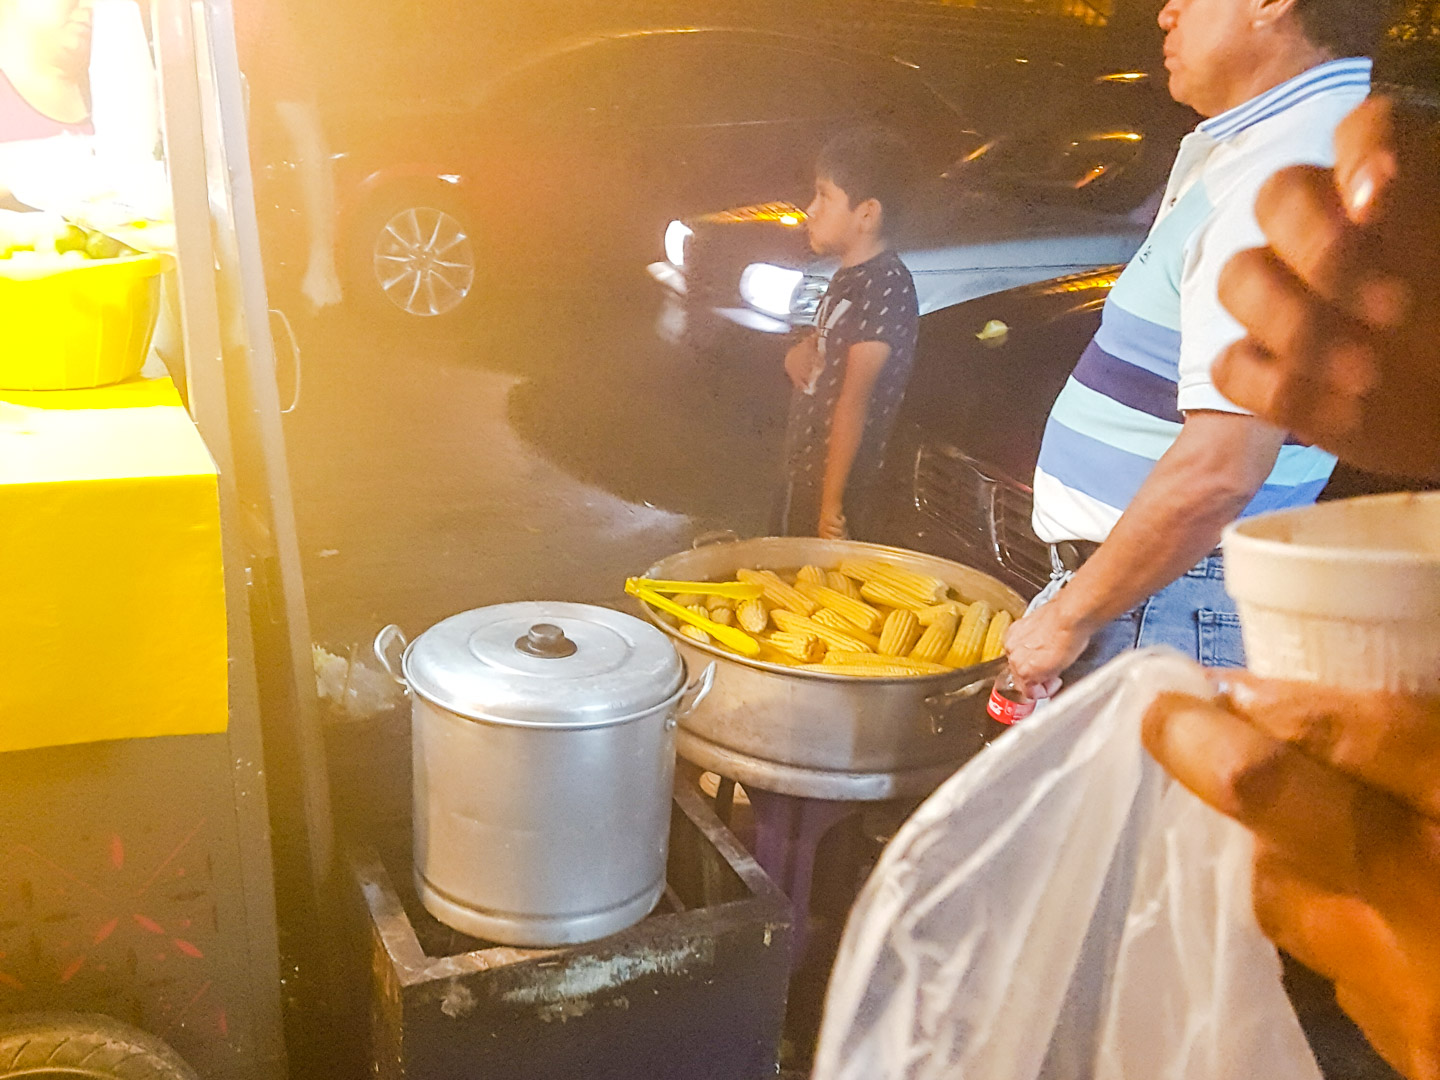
(416, 258)
(83, 1046)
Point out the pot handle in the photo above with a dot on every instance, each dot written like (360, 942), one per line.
(696, 693)
(384, 642)
(939, 705)
(710, 539)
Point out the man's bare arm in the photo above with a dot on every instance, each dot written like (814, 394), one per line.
(1203, 482)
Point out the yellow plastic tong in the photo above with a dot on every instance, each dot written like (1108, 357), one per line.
(728, 636)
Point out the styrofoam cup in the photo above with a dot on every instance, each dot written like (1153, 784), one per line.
(1345, 593)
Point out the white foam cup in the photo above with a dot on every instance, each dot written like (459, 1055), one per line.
(1345, 593)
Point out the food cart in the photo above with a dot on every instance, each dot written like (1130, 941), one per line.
(156, 637)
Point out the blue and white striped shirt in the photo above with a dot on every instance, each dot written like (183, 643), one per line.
(1163, 326)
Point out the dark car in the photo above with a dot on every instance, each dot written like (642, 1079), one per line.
(1058, 169)
(574, 160)
(961, 460)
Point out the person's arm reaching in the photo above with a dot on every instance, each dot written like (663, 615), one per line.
(1202, 483)
(301, 120)
(863, 365)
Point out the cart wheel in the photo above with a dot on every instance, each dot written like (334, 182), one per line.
(71, 1046)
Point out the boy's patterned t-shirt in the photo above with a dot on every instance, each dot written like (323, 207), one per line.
(873, 301)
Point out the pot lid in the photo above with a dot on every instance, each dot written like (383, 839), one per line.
(544, 663)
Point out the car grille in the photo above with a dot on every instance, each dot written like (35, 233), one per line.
(984, 510)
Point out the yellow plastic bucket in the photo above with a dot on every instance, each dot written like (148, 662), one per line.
(83, 325)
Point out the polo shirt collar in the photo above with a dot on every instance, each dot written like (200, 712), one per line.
(1326, 78)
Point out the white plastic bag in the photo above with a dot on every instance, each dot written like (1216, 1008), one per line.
(1061, 910)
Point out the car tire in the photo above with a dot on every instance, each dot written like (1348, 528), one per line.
(84, 1046)
(414, 258)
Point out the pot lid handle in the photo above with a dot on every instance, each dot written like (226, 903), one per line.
(547, 641)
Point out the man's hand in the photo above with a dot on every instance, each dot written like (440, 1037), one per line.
(1343, 307)
(1340, 790)
(1041, 646)
(832, 523)
(803, 362)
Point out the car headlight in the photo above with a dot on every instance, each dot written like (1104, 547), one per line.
(770, 288)
(676, 234)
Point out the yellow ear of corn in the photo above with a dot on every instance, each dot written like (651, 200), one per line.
(900, 633)
(753, 616)
(865, 671)
(856, 612)
(723, 615)
(994, 647)
(689, 600)
(888, 596)
(694, 633)
(937, 639)
(835, 639)
(718, 603)
(779, 594)
(854, 659)
(806, 648)
(811, 575)
(842, 584)
(698, 609)
(928, 615)
(835, 621)
(875, 571)
(970, 639)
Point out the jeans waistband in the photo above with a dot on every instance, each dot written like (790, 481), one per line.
(1070, 555)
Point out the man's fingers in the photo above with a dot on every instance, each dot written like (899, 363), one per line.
(1365, 160)
(1391, 741)
(1283, 316)
(1343, 833)
(1302, 215)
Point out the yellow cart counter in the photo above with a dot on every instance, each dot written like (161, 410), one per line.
(112, 601)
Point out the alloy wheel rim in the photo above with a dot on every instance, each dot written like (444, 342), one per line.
(424, 261)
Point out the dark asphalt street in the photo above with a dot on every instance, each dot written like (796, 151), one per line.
(546, 451)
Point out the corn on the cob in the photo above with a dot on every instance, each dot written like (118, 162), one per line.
(888, 596)
(970, 638)
(720, 603)
(806, 648)
(842, 584)
(689, 599)
(865, 671)
(779, 594)
(875, 571)
(835, 639)
(723, 615)
(865, 659)
(900, 633)
(937, 639)
(698, 609)
(995, 639)
(811, 575)
(929, 614)
(826, 617)
(694, 633)
(753, 616)
(856, 612)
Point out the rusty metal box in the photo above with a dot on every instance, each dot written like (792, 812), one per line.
(694, 992)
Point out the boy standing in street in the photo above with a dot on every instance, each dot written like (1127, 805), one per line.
(851, 371)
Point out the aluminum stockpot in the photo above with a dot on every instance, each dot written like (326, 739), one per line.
(831, 736)
(543, 740)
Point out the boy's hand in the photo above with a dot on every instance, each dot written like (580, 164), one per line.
(803, 362)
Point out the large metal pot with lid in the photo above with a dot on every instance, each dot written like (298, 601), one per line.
(831, 736)
(543, 750)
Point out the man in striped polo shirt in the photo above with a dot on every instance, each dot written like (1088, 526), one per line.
(1144, 462)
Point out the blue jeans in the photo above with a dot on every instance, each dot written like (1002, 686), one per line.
(1193, 614)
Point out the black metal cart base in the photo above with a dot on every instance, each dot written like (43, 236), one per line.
(694, 992)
